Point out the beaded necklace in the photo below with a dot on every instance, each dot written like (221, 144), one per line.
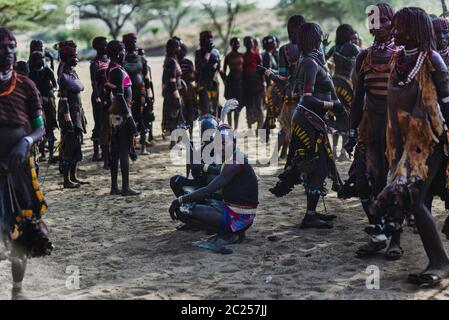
(419, 62)
(11, 86)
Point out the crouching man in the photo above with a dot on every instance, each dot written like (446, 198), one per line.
(230, 217)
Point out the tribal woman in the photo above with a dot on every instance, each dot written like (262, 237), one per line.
(98, 67)
(38, 45)
(21, 201)
(344, 55)
(233, 79)
(123, 126)
(137, 67)
(252, 84)
(418, 108)
(272, 97)
(189, 90)
(70, 116)
(368, 125)
(207, 66)
(441, 28)
(45, 81)
(288, 58)
(171, 84)
(310, 158)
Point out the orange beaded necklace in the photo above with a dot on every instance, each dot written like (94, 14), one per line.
(11, 87)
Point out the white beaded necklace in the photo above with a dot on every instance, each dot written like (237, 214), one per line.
(410, 52)
(419, 62)
(6, 76)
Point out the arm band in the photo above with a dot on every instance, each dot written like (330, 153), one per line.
(352, 133)
(37, 122)
(29, 140)
(328, 105)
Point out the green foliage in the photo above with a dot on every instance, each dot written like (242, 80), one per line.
(258, 35)
(275, 32)
(247, 7)
(115, 14)
(62, 35)
(86, 33)
(155, 30)
(341, 10)
(237, 32)
(171, 12)
(25, 14)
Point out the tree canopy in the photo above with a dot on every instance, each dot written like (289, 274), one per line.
(25, 14)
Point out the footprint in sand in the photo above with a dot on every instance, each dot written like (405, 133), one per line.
(288, 262)
(308, 247)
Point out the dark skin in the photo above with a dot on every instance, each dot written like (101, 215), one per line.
(249, 44)
(442, 39)
(18, 155)
(116, 77)
(438, 259)
(175, 54)
(97, 94)
(382, 34)
(46, 54)
(51, 78)
(101, 51)
(70, 177)
(250, 47)
(235, 45)
(131, 48)
(206, 216)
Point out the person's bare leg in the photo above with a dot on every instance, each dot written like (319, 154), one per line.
(68, 183)
(438, 260)
(18, 268)
(74, 175)
(125, 145)
(203, 217)
(236, 119)
(142, 143)
(114, 176)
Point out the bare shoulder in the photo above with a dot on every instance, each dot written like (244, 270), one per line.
(435, 58)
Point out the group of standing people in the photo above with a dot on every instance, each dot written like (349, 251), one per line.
(122, 106)
(191, 88)
(390, 102)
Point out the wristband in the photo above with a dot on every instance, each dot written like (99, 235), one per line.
(352, 133)
(38, 122)
(29, 140)
(328, 105)
(445, 100)
(180, 200)
(206, 166)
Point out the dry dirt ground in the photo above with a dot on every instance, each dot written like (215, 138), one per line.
(127, 248)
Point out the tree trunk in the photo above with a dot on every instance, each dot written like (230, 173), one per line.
(445, 11)
(114, 33)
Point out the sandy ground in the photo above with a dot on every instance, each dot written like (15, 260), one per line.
(127, 248)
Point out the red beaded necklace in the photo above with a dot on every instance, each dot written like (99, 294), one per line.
(11, 87)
